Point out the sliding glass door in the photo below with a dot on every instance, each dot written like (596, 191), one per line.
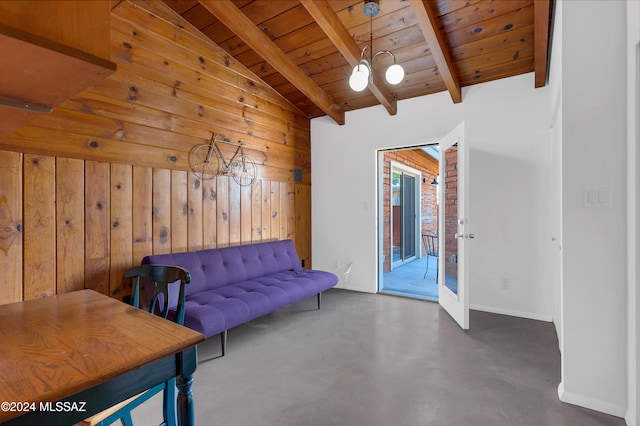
(404, 215)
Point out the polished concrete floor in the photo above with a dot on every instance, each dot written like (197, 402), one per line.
(378, 360)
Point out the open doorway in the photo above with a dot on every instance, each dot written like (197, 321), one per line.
(408, 196)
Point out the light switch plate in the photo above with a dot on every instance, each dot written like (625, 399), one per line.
(596, 197)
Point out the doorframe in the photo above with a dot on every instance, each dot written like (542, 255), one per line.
(379, 210)
(403, 168)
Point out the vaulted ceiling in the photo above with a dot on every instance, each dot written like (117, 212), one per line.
(306, 49)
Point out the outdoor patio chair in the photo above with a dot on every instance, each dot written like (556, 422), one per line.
(430, 242)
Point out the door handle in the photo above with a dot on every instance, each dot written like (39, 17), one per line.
(462, 236)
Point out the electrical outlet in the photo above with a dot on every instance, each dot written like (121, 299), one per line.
(504, 284)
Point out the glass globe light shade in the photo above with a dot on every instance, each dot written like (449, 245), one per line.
(359, 78)
(394, 74)
(362, 67)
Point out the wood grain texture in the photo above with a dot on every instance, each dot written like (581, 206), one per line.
(70, 224)
(542, 23)
(324, 42)
(234, 212)
(194, 213)
(142, 214)
(11, 240)
(233, 18)
(256, 212)
(266, 211)
(275, 212)
(57, 346)
(287, 206)
(121, 236)
(114, 183)
(209, 213)
(179, 211)
(84, 27)
(340, 37)
(40, 226)
(245, 214)
(89, 221)
(54, 72)
(161, 211)
(438, 45)
(48, 56)
(172, 88)
(222, 211)
(97, 226)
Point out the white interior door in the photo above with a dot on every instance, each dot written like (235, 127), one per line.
(453, 227)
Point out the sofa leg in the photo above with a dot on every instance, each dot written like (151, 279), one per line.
(319, 299)
(223, 341)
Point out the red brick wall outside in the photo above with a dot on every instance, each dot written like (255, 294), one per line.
(450, 182)
(428, 166)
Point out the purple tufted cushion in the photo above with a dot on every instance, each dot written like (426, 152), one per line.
(215, 268)
(219, 309)
(230, 286)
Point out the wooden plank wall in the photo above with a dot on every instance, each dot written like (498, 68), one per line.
(89, 190)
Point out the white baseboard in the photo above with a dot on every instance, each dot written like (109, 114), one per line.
(527, 315)
(590, 403)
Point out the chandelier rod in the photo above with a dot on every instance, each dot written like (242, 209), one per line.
(371, 40)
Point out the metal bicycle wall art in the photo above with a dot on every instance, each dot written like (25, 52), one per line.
(208, 161)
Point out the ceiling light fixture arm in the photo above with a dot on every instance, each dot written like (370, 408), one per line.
(362, 76)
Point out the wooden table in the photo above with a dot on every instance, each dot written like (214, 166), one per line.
(67, 357)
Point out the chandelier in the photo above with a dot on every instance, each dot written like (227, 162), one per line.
(362, 73)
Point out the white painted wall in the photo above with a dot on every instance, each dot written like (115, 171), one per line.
(555, 85)
(511, 216)
(594, 139)
(509, 123)
(508, 133)
(633, 220)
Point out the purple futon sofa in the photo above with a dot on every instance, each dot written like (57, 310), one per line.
(232, 285)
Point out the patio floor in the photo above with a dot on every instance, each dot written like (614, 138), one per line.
(409, 280)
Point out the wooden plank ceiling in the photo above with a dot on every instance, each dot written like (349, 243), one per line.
(306, 49)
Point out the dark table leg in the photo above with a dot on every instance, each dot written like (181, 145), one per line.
(187, 363)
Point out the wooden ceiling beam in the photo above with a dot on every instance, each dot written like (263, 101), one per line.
(438, 46)
(245, 29)
(329, 22)
(541, 22)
